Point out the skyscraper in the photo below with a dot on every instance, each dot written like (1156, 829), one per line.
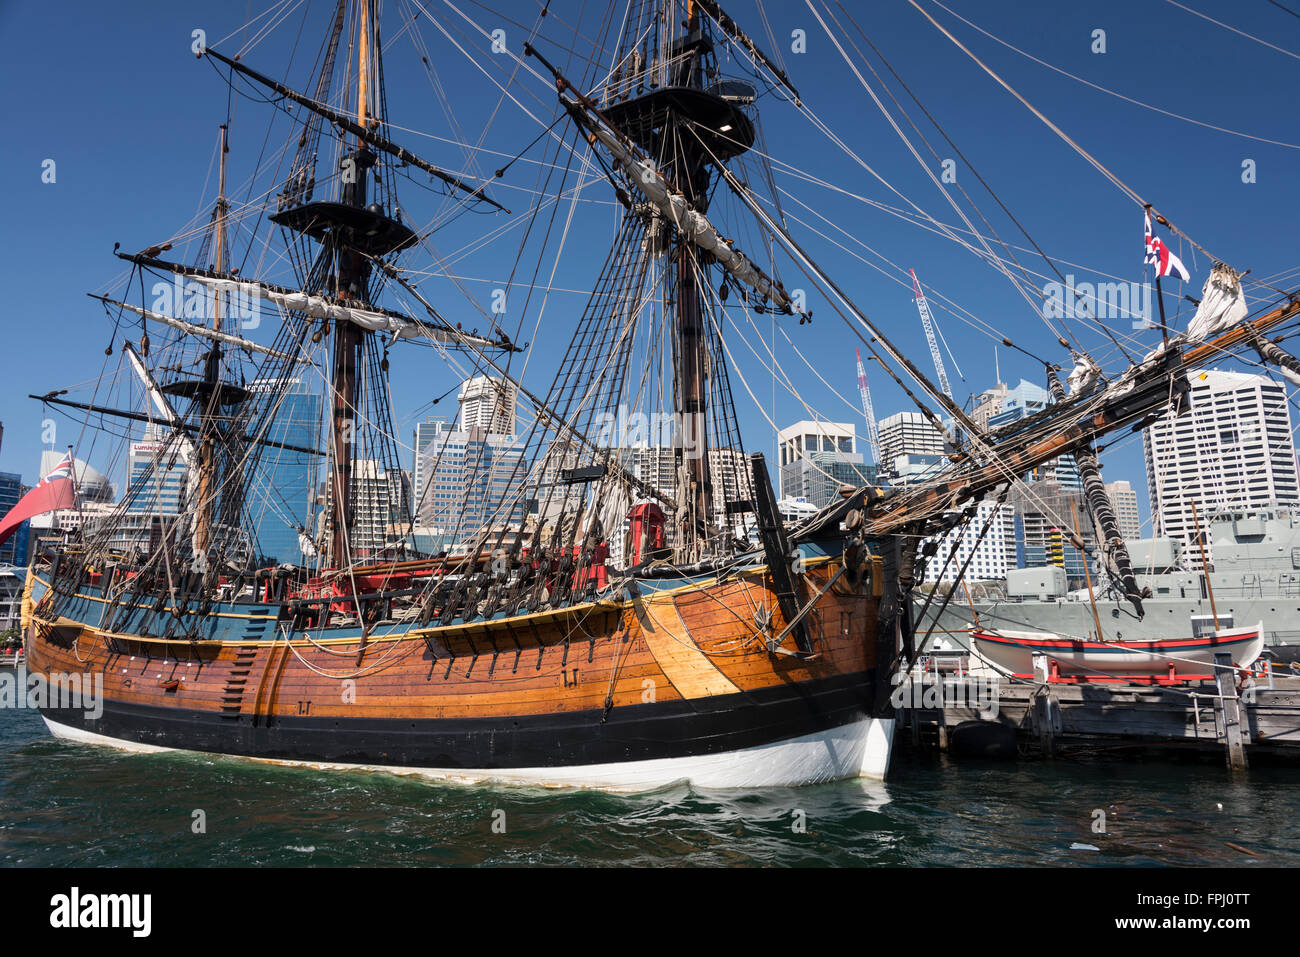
(158, 472)
(381, 507)
(988, 404)
(489, 404)
(817, 458)
(465, 480)
(1045, 516)
(13, 551)
(914, 436)
(1232, 450)
(1026, 400)
(657, 465)
(1124, 499)
(994, 554)
(281, 493)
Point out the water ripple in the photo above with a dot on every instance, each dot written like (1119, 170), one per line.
(67, 804)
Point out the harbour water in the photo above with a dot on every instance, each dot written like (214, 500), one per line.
(74, 805)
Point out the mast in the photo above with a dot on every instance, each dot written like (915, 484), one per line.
(1205, 565)
(212, 371)
(352, 275)
(1087, 575)
(209, 394)
(689, 172)
(661, 104)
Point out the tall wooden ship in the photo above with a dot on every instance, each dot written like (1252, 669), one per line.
(594, 629)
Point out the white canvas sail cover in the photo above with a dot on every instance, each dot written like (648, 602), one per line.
(1290, 375)
(694, 226)
(1222, 304)
(197, 330)
(306, 545)
(1083, 377)
(321, 308)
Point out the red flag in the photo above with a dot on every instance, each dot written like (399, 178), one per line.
(57, 490)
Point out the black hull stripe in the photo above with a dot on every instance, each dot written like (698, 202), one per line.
(642, 732)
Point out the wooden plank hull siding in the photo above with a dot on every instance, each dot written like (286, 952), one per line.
(669, 672)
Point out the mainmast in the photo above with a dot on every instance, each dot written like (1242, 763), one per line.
(354, 231)
(353, 272)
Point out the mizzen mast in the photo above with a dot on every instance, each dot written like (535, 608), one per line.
(212, 371)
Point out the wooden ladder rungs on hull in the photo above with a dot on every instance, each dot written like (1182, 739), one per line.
(232, 699)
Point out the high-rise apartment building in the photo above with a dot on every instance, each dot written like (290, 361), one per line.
(816, 458)
(381, 508)
(489, 404)
(1231, 449)
(908, 433)
(994, 554)
(1124, 500)
(464, 480)
(281, 491)
(158, 473)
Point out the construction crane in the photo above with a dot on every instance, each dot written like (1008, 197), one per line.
(924, 308)
(873, 437)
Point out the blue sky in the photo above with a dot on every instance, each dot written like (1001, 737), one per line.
(115, 97)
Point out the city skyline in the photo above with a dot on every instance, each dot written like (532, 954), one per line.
(1089, 229)
(156, 476)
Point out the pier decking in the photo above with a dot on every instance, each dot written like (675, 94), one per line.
(982, 712)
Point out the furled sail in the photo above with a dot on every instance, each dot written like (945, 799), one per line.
(1083, 377)
(693, 225)
(1222, 304)
(196, 330)
(374, 320)
(1270, 351)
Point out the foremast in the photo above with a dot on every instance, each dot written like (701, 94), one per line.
(669, 133)
(352, 275)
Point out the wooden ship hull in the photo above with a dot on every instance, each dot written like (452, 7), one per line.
(676, 682)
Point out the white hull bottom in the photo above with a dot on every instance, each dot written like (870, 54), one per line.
(860, 749)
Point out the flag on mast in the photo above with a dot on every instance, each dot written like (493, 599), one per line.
(1159, 255)
(57, 490)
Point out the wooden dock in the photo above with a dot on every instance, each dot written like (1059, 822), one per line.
(983, 713)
